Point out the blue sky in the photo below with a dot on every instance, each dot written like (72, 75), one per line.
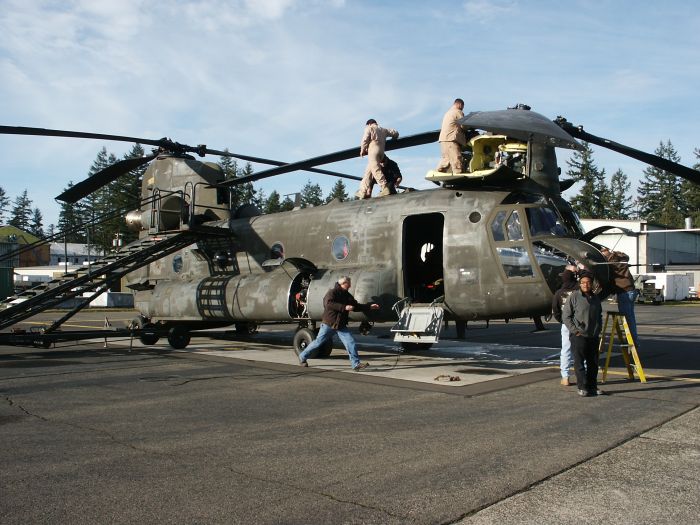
(291, 79)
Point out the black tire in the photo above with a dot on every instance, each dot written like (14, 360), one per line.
(303, 338)
(147, 334)
(409, 348)
(178, 337)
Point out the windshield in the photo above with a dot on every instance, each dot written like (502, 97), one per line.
(544, 221)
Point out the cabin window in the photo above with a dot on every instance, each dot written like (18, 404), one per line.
(340, 248)
(515, 261)
(277, 251)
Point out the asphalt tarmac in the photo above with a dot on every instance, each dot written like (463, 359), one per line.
(231, 431)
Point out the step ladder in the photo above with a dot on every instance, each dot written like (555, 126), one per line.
(418, 323)
(97, 277)
(615, 325)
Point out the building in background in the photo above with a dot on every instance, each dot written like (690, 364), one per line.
(655, 252)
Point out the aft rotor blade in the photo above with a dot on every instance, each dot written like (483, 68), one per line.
(164, 143)
(102, 178)
(308, 164)
(648, 158)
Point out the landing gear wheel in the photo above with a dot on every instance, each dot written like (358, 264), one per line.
(409, 348)
(246, 328)
(178, 337)
(303, 338)
(148, 336)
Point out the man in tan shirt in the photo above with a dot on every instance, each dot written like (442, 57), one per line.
(372, 145)
(452, 139)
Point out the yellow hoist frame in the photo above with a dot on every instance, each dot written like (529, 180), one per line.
(628, 346)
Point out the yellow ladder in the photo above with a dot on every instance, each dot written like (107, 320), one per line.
(628, 347)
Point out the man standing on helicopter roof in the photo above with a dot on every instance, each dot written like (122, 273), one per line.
(372, 145)
(452, 140)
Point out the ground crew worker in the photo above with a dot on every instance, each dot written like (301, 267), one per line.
(583, 316)
(337, 305)
(568, 286)
(623, 284)
(392, 174)
(452, 140)
(372, 145)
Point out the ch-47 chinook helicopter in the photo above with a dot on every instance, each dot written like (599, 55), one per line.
(486, 244)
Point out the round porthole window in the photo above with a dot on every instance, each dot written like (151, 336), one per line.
(277, 251)
(341, 247)
(177, 263)
(474, 217)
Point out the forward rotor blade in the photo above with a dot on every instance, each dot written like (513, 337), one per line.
(308, 164)
(648, 158)
(102, 178)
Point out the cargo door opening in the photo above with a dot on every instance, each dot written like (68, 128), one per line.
(422, 257)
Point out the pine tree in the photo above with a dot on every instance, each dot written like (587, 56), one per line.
(36, 226)
(311, 195)
(246, 191)
(660, 197)
(339, 191)
(591, 199)
(4, 203)
(287, 204)
(126, 196)
(21, 212)
(273, 204)
(691, 195)
(619, 205)
(69, 218)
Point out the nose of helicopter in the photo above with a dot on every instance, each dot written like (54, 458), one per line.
(553, 255)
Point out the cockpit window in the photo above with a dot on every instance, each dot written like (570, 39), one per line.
(497, 226)
(515, 231)
(544, 221)
(516, 261)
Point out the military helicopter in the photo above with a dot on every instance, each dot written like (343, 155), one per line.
(486, 244)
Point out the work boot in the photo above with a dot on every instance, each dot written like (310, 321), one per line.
(361, 194)
(360, 367)
(386, 191)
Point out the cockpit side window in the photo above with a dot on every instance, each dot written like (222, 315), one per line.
(515, 231)
(497, 226)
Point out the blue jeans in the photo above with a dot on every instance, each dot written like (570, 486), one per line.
(565, 359)
(625, 305)
(326, 334)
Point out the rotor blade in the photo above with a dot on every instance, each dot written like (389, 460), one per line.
(163, 143)
(405, 142)
(43, 132)
(521, 124)
(648, 158)
(102, 178)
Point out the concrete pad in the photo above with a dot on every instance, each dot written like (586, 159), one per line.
(451, 363)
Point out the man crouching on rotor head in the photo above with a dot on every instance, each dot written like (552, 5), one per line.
(337, 305)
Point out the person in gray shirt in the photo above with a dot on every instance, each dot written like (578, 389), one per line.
(583, 316)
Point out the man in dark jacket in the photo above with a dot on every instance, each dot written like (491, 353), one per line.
(623, 284)
(583, 316)
(568, 286)
(337, 305)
